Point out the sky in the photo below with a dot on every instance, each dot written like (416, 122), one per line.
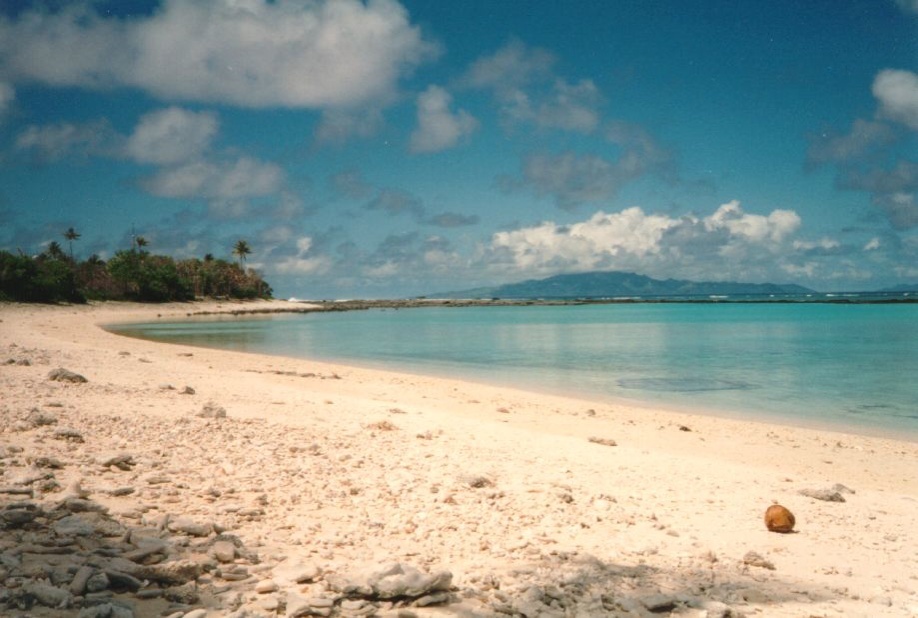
(390, 148)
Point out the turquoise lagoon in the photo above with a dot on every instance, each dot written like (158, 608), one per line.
(839, 365)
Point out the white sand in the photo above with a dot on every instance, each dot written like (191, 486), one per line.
(355, 468)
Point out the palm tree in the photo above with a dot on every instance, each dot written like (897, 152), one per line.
(240, 250)
(54, 251)
(141, 242)
(70, 235)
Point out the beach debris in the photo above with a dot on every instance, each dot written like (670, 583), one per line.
(826, 495)
(122, 461)
(212, 410)
(685, 428)
(755, 559)
(478, 482)
(383, 425)
(779, 519)
(37, 418)
(65, 375)
(842, 489)
(68, 433)
(187, 391)
(603, 441)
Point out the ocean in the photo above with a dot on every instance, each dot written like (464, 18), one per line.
(847, 366)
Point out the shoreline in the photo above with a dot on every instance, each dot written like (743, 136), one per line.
(748, 414)
(518, 495)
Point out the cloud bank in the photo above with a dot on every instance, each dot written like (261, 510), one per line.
(250, 53)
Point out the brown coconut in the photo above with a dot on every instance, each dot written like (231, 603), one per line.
(779, 519)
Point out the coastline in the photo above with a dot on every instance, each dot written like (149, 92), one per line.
(359, 468)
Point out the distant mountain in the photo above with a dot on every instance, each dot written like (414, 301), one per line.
(621, 284)
(901, 288)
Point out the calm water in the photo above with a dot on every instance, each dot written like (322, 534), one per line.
(814, 363)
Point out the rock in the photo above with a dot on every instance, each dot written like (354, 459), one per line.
(190, 527)
(78, 583)
(67, 433)
(265, 586)
(223, 551)
(212, 410)
(187, 594)
(826, 495)
(187, 391)
(779, 519)
(297, 572)
(658, 603)
(754, 559)
(97, 582)
(399, 580)
(106, 610)
(37, 418)
(122, 461)
(73, 525)
(18, 514)
(49, 596)
(64, 375)
(175, 572)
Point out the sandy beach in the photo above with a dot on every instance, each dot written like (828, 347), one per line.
(182, 481)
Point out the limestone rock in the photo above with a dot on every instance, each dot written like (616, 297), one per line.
(755, 559)
(212, 410)
(779, 519)
(65, 375)
(826, 495)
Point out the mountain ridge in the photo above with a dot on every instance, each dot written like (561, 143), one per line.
(613, 284)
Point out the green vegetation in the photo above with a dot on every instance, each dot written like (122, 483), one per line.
(53, 276)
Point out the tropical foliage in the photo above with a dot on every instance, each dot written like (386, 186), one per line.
(53, 276)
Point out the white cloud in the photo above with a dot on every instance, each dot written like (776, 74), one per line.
(56, 141)
(509, 68)
(728, 243)
(873, 244)
(897, 92)
(301, 262)
(252, 53)
(864, 136)
(7, 94)
(570, 107)
(338, 124)
(172, 135)
(231, 180)
(527, 90)
(438, 127)
(755, 228)
(585, 245)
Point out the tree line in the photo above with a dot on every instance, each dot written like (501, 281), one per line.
(55, 276)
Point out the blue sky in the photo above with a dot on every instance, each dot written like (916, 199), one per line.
(385, 148)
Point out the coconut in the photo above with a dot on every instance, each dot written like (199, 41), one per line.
(779, 519)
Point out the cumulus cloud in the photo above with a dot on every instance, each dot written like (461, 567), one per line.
(338, 125)
(451, 219)
(251, 53)
(864, 137)
(53, 142)
(528, 90)
(7, 95)
(301, 261)
(727, 243)
(900, 208)
(397, 202)
(438, 127)
(172, 135)
(510, 68)
(225, 180)
(351, 184)
(897, 92)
